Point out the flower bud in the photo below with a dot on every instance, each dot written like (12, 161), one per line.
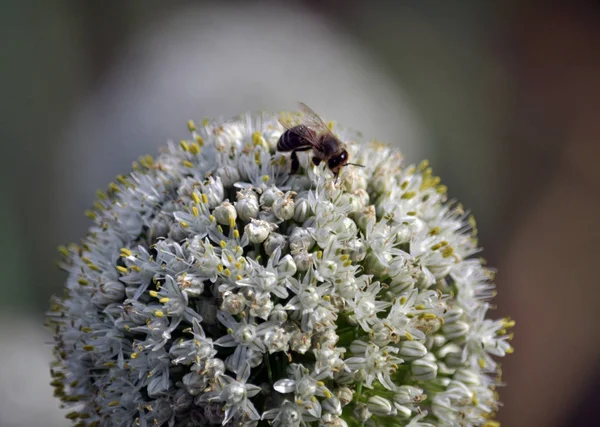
(228, 174)
(410, 350)
(247, 205)
(278, 314)
(284, 207)
(270, 195)
(409, 395)
(332, 405)
(303, 260)
(380, 406)
(301, 210)
(286, 266)
(225, 214)
(257, 230)
(301, 239)
(213, 188)
(455, 330)
(195, 383)
(423, 370)
(344, 394)
(275, 241)
(361, 413)
(357, 249)
(453, 315)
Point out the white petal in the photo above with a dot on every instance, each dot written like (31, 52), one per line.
(285, 386)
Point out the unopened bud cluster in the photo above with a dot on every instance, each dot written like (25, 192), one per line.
(214, 288)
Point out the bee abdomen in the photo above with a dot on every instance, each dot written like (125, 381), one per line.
(292, 139)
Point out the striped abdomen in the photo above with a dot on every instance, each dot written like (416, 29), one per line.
(295, 138)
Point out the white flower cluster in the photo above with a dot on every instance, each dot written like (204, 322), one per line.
(214, 288)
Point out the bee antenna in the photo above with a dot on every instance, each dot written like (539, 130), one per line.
(354, 164)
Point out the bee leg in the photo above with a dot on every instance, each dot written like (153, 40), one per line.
(295, 163)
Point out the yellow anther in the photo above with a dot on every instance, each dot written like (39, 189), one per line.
(114, 403)
(227, 272)
(220, 268)
(402, 300)
(125, 252)
(257, 138)
(411, 213)
(238, 277)
(448, 251)
(136, 268)
(319, 254)
(238, 265)
(491, 424)
(475, 400)
(93, 267)
(313, 399)
(326, 298)
(86, 260)
(404, 185)
(122, 179)
(223, 244)
(184, 224)
(191, 126)
(265, 178)
(442, 189)
(436, 246)
(481, 363)
(184, 145)
(164, 300)
(330, 125)
(153, 294)
(194, 148)
(327, 393)
(109, 364)
(212, 218)
(429, 316)
(196, 198)
(510, 350)
(88, 347)
(159, 313)
(434, 231)
(90, 214)
(408, 336)
(419, 307)
(195, 211)
(200, 141)
(408, 195)
(231, 222)
(86, 329)
(344, 257)
(188, 164)
(423, 165)
(101, 195)
(204, 198)
(347, 263)
(98, 206)
(229, 259)
(82, 281)
(508, 323)
(236, 234)
(63, 250)
(219, 229)
(122, 269)
(114, 187)
(298, 401)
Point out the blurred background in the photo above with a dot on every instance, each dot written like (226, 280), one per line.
(503, 97)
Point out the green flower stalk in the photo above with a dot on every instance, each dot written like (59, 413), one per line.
(216, 288)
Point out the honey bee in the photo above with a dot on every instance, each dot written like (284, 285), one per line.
(309, 132)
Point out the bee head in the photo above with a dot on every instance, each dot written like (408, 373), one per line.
(336, 162)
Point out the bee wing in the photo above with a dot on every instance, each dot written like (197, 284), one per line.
(313, 121)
